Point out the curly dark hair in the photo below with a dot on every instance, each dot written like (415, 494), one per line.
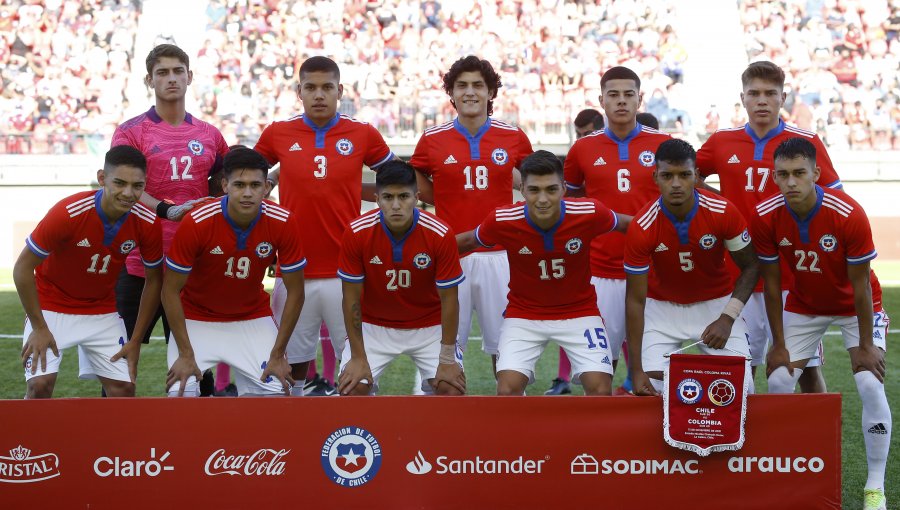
(473, 63)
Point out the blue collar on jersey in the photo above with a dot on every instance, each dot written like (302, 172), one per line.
(549, 233)
(109, 229)
(474, 141)
(242, 235)
(321, 131)
(682, 227)
(152, 115)
(759, 144)
(397, 244)
(803, 225)
(623, 143)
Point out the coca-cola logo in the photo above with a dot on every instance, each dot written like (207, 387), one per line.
(262, 462)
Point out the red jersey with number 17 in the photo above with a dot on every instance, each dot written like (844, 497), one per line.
(618, 173)
(321, 178)
(549, 270)
(84, 252)
(400, 277)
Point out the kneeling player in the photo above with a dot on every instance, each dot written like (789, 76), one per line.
(826, 237)
(66, 278)
(683, 236)
(400, 272)
(547, 241)
(217, 261)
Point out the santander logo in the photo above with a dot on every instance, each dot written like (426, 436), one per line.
(262, 462)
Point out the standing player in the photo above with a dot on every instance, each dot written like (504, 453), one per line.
(615, 166)
(184, 154)
(400, 271)
(825, 237)
(66, 278)
(688, 294)
(550, 296)
(213, 292)
(742, 158)
(467, 170)
(321, 154)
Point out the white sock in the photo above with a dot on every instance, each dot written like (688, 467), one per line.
(657, 384)
(297, 389)
(781, 381)
(191, 389)
(876, 425)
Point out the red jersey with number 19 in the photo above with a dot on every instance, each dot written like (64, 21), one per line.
(84, 252)
(472, 174)
(618, 173)
(400, 277)
(549, 270)
(321, 178)
(817, 251)
(227, 263)
(685, 259)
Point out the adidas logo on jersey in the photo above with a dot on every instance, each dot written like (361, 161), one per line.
(450, 160)
(375, 260)
(524, 251)
(600, 161)
(217, 251)
(661, 247)
(784, 242)
(734, 159)
(605, 360)
(84, 243)
(295, 147)
(878, 428)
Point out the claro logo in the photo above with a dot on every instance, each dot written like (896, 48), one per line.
(119, 467)
(262, 462)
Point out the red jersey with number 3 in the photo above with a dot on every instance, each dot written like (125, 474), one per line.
(400, 277)
(817, 251)
(618, 173)
(472, 175)
(227, 263)
(84, 252)
(685, 259)
(549, 270)
(321, 178)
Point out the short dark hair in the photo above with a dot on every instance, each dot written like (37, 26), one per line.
(764, 70)
(472, 63)
(675, 151)
(794, 148)
(395, 172)
(647, 119)
(243, 158)
(124, 155)
(541, 163)
(598, 122)
(620, 73)
(166, 50)
(586, 117)
(319, 64)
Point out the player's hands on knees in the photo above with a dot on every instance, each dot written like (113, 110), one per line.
(182, 370)
(452, 374)
(871, 358)
(715, 336)
(278, 367)
(356, 370)
(131, 351)
(176, 212)
(36, 348)
(641, 385)
(778, 357)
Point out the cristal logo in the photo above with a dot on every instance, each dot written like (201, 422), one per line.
(419, 466)
(21, 467)
(262, 462)
(119, 467)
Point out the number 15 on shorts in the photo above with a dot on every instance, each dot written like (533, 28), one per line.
(597, 335)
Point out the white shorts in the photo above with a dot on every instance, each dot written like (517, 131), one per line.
(754, 315)
(522, 341)
(803, 333)
(668, 326)
(243, 345)
(384, 345)
(484, 290)
(611, 302)
(98, 337)
(322, 303)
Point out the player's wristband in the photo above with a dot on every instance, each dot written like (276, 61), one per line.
(447, 355)
(162, 209)
(733, 308)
